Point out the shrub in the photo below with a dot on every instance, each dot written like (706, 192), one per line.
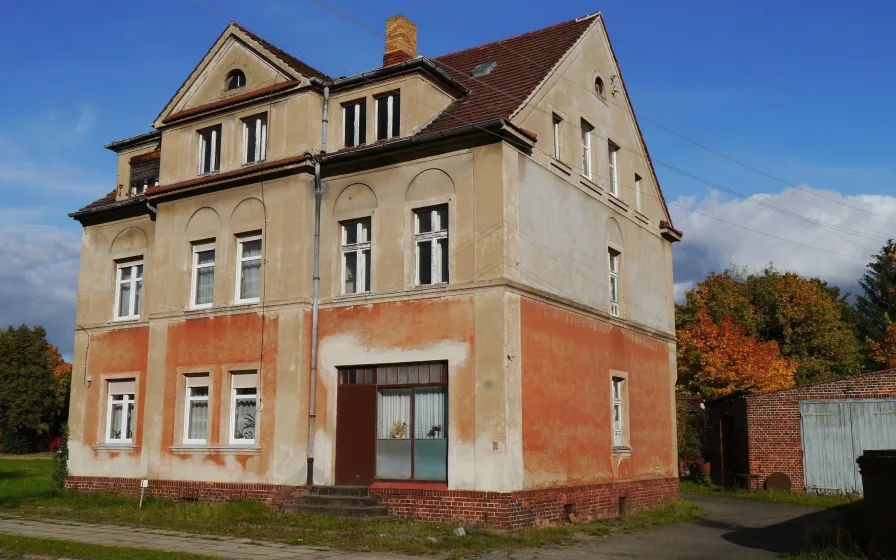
(16, 443)
(60, 462)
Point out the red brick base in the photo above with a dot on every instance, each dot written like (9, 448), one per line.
(509, 510)
(514, 510)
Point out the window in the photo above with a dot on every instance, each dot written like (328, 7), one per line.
(411, 419)
(120, 411)
(388, 116)
(248, 269)
(431, 239)
(243, 407)
(356, 256)
(129, 289)
(618, 400)
(557, 121)
(586, 148)
(354, 119)
(612, 151)
(196, 409)
(599, 86)
(203, 284)
(614, 257)
(637, 192)
(255, 134)
(144, 174)
(235, 79)
(210, 150)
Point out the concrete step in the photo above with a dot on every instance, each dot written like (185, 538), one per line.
(353, 491)
(332, 501)
(344, 511)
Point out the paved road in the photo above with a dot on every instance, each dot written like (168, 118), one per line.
(732, 529)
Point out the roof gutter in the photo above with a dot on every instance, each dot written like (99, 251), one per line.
(119, 145)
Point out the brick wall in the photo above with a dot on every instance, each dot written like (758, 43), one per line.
(514, 510)
(773, 421)
(180, 489)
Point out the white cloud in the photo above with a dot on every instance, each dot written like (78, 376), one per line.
(710, 245)
(87, 119)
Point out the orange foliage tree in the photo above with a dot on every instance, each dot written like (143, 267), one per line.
(716, 358)
(884, 352)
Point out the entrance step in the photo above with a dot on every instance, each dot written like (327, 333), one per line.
(342, 501)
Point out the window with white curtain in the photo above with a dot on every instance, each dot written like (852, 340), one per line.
(243, 407)
(203, 284)
(120, 411)
(431, 243)
(255, 134)
(196, 409)
(129, 289)
(356, 256)
(248, 269)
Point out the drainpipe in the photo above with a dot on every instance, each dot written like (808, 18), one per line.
(315, 298)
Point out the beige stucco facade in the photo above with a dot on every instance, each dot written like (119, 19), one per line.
(526, 233)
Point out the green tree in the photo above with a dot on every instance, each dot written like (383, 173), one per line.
(876, 305)
(29, 389)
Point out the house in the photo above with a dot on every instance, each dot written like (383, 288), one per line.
(445, 280)
(807, 438)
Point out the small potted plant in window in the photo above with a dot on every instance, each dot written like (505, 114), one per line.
(399, 430)
(434, 431)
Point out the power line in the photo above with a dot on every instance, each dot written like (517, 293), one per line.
(658, 124)
(255, 30)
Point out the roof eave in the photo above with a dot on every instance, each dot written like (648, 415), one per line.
(144, 138)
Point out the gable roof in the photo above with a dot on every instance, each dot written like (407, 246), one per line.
(291, 61)
(523, 62)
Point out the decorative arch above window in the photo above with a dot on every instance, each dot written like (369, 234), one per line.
(235, 79)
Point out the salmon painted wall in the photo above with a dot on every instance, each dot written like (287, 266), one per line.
(566, 381)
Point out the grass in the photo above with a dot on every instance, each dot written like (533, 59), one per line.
(25, 489)
(14, 547)
(774, 496)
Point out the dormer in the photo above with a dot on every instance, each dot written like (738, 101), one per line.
(139, 160)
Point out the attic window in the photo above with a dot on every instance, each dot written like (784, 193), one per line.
(236, 79)
(483, 69)
(599, 86)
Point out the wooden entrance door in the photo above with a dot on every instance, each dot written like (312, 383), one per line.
(355, 434)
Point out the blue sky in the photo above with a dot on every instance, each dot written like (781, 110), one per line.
(804, 95)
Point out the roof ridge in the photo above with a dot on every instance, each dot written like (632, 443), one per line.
(289, 59)
(520, 35)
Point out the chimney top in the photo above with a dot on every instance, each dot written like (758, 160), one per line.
(401, 40)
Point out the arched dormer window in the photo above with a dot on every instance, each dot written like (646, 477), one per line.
(236, 79)
(599, 86)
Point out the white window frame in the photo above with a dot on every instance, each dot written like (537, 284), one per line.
(232, 425)
(240, 259)
(260, 123)
(557, 121)
(586, 149)
(196, 266)
(188, 400)
(637, 192)
(613, 165)
(359, 248)
(126, 400)
(390, 120)
(132, 311)
(356, 134)
(617, 411)
(214, 140)
(614, 258)
(432, 237)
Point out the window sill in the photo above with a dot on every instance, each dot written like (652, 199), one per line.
(432, 287)
(199, 449)
(246, 302)
(251, 163)
(115, 447)
(560, 166)
(622, 450)
(642, 217)
(618, 202)
(124, 321)
(591, 185)
(358, 295)
(209, 173)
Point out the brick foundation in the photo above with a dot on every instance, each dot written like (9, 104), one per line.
(514, 510)
(508, 510)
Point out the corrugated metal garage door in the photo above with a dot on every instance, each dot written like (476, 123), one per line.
(835, 433)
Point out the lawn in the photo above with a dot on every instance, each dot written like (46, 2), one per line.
(775, 496)
(25, 489)
(14, 547)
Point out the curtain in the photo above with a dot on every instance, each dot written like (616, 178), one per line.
(394, 418)
(124, 299)
(244, 419)
(198, 419)
(205, 280)
(429, 413)
(250, 279)
(129, 433)
(115, 422)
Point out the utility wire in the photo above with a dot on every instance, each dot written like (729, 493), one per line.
(309, 53)
(660, 125)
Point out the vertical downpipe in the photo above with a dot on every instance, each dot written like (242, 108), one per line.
(315, 301)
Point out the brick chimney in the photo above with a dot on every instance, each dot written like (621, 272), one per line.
(401, 40)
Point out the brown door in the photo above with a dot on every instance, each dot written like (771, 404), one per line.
(355, 434)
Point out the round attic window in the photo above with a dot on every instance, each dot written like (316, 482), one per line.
(599, 86)
(236, 79)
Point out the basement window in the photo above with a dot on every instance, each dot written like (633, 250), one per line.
(388, 116)
(354, 123)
